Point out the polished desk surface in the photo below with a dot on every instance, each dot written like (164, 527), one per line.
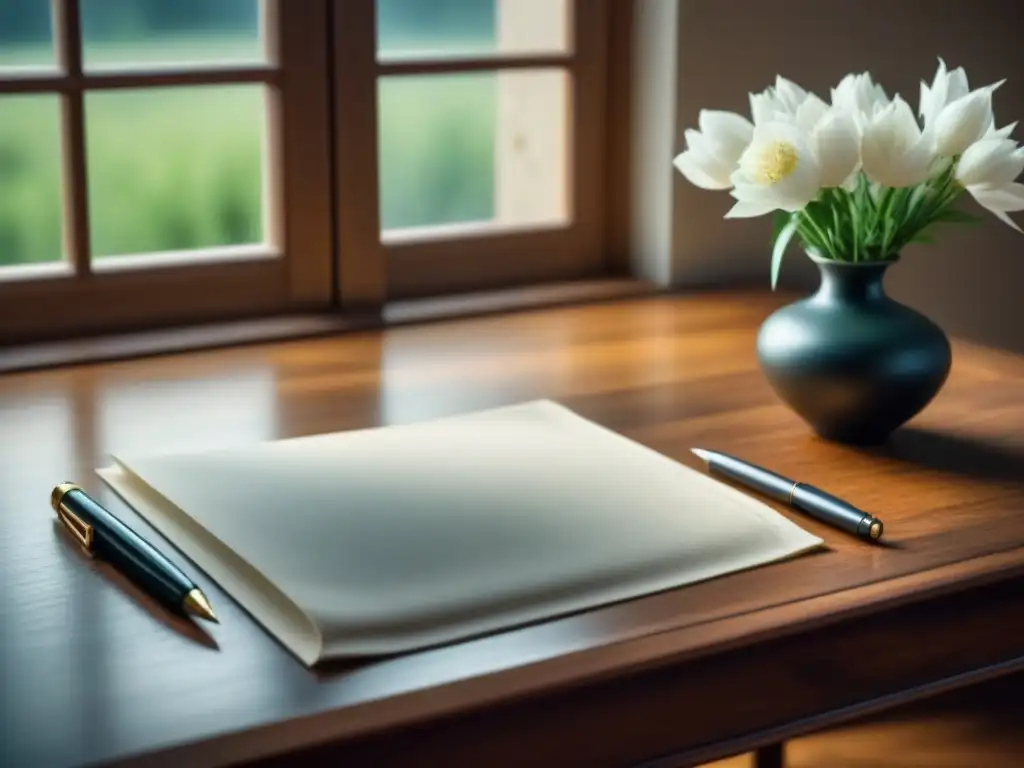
(92, 671)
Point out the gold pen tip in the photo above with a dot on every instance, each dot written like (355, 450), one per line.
(701, 454)
(196, 602)
(875, 530)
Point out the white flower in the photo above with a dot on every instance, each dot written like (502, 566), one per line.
(958, 115)
(861, 97)
(1001, 200)
(789, 94)
(827, 130)
(713, 152)
(987, 171)
(777, 171)
(831, 133)
(946, 88)
(962, 122)
(894, 151)
(811, 111)
(765, 108)
(836, 144)
(994, 162)
(777, 102)
(1001, 133)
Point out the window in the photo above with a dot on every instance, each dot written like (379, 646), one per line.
(168, 163)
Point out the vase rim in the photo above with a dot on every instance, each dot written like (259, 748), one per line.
(875, 263)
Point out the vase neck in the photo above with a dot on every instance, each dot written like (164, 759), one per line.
(851, 282)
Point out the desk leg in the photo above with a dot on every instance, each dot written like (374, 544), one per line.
(772, 756)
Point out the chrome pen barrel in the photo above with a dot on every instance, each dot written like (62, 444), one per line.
(761, 480)
(812, 501)
(829, 509)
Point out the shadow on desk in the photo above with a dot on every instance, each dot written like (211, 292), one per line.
(119, 583)
(954, 454)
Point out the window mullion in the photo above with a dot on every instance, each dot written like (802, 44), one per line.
(361, 274)
(298, 160)
(68, 38)
(590, 36)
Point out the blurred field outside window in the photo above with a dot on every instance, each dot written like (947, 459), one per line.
(173, 169)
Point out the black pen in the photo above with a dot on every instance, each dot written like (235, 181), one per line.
(813, 501)
(103, 535)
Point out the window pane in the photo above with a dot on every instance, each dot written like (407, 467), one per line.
(157, 33)
(30, 200)
(412, 28)
(26, 40)
(175, 169)
(474, 147)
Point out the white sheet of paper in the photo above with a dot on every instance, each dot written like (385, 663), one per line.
(390, 539)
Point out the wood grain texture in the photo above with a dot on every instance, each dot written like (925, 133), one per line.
(93, 671)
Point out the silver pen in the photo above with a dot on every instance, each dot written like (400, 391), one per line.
(813, 501)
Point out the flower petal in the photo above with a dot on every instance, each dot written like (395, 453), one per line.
(924, 109)
(764, 107)
(1001, 133)
(859, 96)
(837, 146)
(903, 120)
(957, 87)
(697, 141)
(749, 192)
(937, 94)
(964, 121)
(746, 210)
(709, 156)
(881, 100)
(810, 112)
(894, 151)
(789, 94)
(730, 131)
(791, 191)
(1008, 198)
(994, 162)
(686, 164)
(801, 186)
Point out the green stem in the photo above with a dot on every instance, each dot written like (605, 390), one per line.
(842, 223)
(808, 238)
(855, 226)
(819, 233)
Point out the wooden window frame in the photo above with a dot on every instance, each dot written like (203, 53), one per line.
(325, 250)
(376, 268)
(292, 270)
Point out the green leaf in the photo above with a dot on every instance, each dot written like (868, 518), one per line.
(916, 197)
(781, 242)
(779, 221)
(819, 217)
(879, 208)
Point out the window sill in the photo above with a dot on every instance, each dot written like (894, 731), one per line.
(270, 329)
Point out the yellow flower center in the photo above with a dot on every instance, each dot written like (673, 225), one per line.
(777, 161)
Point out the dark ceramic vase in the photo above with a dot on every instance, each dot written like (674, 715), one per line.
(849, 360)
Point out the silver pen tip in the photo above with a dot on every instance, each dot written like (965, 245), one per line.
(701, 454)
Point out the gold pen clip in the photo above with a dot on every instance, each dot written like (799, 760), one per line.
(79, 529)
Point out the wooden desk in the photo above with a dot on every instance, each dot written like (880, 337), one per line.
(93, 672)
